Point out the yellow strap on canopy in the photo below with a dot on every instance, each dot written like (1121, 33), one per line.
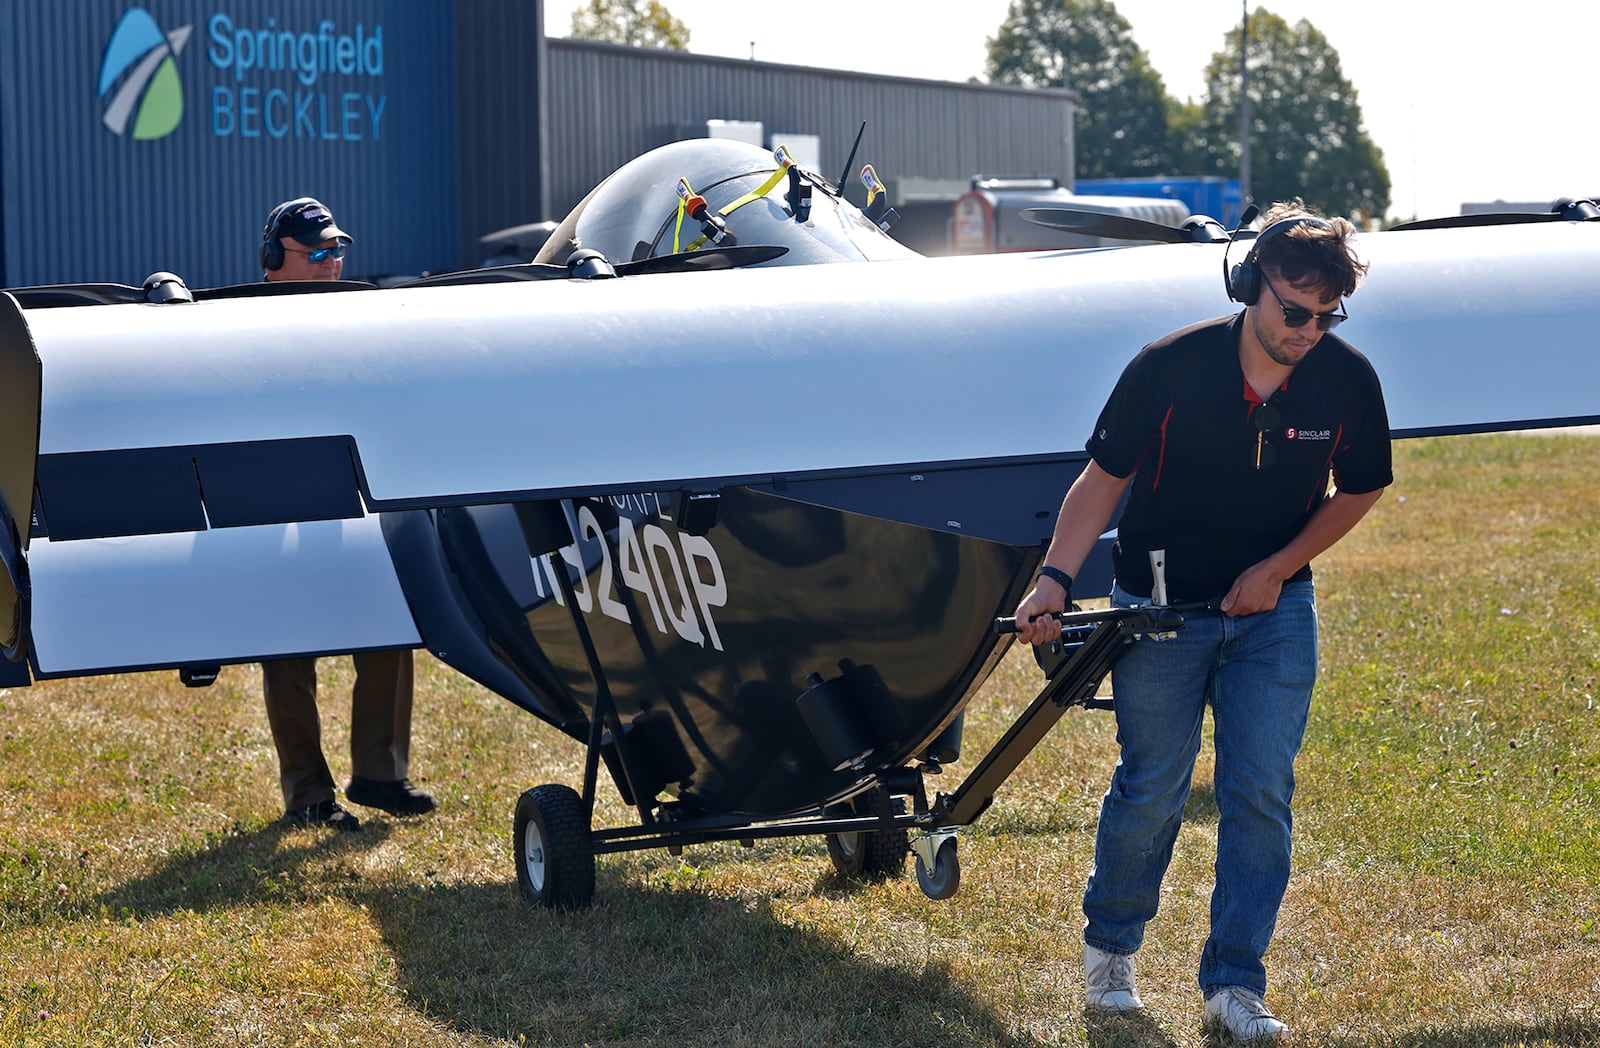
(785, 162)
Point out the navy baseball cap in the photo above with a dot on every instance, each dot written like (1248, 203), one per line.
(306, 220)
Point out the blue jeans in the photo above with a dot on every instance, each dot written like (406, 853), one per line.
(1256, 672)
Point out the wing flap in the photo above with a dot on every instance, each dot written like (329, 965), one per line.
(213, 597)
(159, 491)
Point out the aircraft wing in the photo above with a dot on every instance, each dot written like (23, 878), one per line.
(446, 394)
(1455, 324)
(211, 476)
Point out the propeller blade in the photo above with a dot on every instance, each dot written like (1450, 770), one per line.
(1196, 229)
(47, 296)
(711, 258)
(702, 261)
(491, 275)
(1504, 218)
(1100, 224)
(269, 288)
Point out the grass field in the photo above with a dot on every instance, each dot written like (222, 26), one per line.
(1446, 893)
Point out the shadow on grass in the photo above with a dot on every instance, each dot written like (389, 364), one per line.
(1125, 1030)
(240, 869)
(659, 966)
(643, 966)
(647, 966)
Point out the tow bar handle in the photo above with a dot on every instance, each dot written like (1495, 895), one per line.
(1161, 619)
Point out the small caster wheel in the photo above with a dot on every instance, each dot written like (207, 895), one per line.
(945, 878)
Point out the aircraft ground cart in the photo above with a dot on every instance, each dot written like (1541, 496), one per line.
(870, 835)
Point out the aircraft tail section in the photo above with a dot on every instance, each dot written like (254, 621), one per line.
(20, 388)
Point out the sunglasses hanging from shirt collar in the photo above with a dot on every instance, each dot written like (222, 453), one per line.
(1266, 418)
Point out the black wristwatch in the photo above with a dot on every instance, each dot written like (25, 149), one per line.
(1059, 577)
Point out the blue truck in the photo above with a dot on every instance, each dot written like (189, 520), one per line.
(1210, 195)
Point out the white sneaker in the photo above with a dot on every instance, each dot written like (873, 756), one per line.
(1108, 980)
(1244, 1014)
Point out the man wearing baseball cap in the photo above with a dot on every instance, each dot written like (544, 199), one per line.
(301, 241)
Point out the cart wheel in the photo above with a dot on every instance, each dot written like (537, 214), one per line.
(878, 855)
(946, 876)
(555, 858)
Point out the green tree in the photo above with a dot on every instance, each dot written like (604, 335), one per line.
(638, 23)
(1183, 134)
(1120, 123)
(1306, 138)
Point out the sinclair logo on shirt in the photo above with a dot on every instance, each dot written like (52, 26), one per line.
(1310, 434)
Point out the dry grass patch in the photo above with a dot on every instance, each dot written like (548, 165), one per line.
(1447, 890)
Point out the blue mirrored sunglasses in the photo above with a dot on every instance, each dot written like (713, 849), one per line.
(317, 256)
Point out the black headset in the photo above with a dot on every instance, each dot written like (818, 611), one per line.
(1244, 280)
(271, 249)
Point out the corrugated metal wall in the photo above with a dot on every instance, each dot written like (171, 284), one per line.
(610, 103)
(424, 124)
(366, 124)
(501, 114)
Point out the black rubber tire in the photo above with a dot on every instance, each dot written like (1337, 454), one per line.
(552, 849)
(876, 855)
(945, 878)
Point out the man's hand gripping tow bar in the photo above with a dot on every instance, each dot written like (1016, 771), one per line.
(1157, 620)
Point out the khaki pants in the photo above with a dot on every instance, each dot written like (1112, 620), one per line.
(380, 723)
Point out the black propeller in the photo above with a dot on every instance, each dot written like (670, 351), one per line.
(164, 287)
(1197, 229)
(169, 289)
(49, 296)
(274, 288)
(593, 265)
(159, 289)
(1561, 211)
(491, 275)
(702, 261)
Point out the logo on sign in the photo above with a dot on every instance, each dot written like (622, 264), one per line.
(139, 85)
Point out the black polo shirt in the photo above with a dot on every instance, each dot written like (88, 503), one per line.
(1185, 423)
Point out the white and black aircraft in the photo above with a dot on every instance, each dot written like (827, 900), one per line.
(738, 524)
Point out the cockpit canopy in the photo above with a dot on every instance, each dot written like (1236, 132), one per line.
(642, 210)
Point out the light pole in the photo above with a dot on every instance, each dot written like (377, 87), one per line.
(1244, 108)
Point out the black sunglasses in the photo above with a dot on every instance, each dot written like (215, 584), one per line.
(1266, 417)
(318, 255)
(1297, 316)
